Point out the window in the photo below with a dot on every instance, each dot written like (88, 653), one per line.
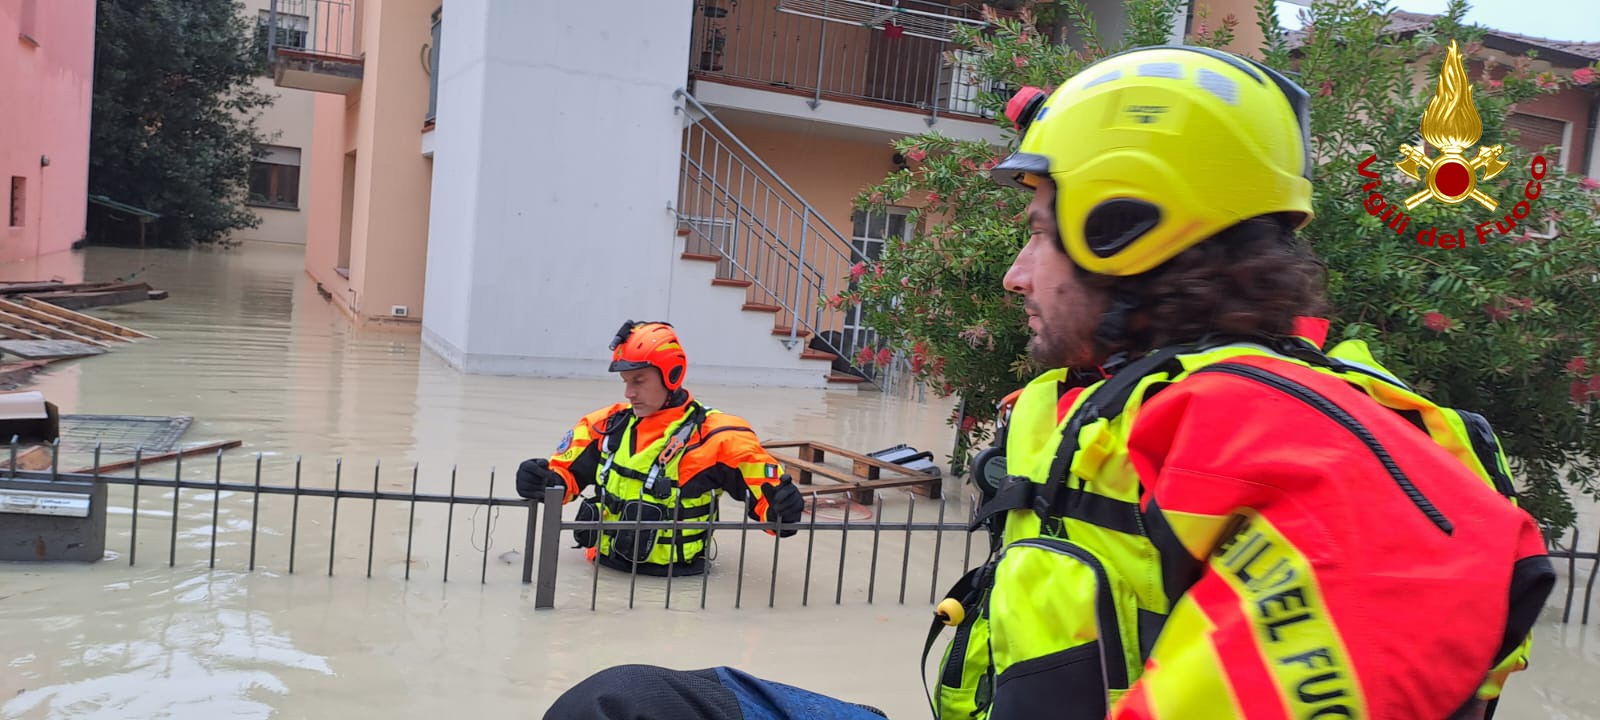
(867, 237)
(28, 25)
(1535, 133)
(293, 32)
(275, 178)
(19, 200)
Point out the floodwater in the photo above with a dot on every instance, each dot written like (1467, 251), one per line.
(247, 347)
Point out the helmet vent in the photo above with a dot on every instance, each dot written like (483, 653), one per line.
(1162, 70)
(1108, 77)
(1115, 224)
(1220, 86)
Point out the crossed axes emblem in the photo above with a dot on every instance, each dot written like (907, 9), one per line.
(1460, 175)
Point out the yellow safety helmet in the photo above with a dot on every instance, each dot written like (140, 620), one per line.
(1158, 148)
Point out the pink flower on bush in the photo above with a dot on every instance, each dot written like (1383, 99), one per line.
(1327, 89)
(1577, 366)
(877, 270)
(968, 423)
(917, 361)
(1495, 84)
(1583, 75)
(885, 357)
(1495, 312)
(1546, 81)
(1019, 61)
(1578, 391)
(1436, 322)
(934, 197)
(857, 271)
(1589, 183)
(916, 154)
(905, 282)
(865, 357)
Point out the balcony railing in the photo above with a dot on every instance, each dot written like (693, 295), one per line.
(847, 50)
(312, 44)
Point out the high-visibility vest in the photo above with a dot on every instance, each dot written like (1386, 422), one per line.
(1076, 577)
(643, 485)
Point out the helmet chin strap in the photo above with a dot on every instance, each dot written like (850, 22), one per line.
(1111, 334)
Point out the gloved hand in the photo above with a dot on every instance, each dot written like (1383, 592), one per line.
(534, 475)
(784, 503)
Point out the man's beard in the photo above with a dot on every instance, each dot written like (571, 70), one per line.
(1051, 348)
(1049, 351)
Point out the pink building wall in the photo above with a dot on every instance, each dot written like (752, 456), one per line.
(46, 73)
(367, 161)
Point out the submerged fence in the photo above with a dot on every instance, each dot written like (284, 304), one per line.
(824, 546)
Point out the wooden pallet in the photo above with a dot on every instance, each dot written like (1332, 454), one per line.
(43, 330)
(866, 475)
(77, 296)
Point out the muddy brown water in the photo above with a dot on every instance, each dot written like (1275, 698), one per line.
(248, 348)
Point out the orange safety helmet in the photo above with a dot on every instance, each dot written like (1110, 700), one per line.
(639, 345)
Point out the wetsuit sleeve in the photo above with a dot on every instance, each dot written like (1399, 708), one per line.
(577, 458)
(1295, 569)
(747, 469)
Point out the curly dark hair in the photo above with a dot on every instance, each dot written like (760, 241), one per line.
(1255, 277)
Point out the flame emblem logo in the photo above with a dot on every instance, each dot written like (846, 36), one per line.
(1452, 125)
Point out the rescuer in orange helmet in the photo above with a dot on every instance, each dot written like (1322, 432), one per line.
(660, 455)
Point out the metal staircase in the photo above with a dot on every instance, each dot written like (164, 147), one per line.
(735, 209)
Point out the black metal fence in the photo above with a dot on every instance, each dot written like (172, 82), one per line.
(878, 540)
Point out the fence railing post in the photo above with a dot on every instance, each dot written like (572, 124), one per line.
(528, 541)
(544, 594)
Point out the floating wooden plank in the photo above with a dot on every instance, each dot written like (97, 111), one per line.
(79, 300)
(16, 333)
(55, 320)
(81, 318)
(35, 326)
(41, 349)
(129, 464)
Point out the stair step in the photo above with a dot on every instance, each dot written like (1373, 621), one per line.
(809, 354)
(701, 256)
(784, 330)
(760, 307)
(729, 282)
(683, 232)
(843, 379)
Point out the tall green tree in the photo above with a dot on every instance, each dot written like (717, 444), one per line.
(173, 126)
(1509, 328)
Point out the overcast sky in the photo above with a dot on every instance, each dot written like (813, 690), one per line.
(1555, 19)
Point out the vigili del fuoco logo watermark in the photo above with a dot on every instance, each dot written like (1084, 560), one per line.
(1452, 125)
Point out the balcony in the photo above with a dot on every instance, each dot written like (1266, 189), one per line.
(885, 67)
(312, 45)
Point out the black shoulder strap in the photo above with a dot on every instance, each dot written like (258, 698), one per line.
(1106, 401)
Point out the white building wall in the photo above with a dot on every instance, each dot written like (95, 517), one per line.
(556, 160)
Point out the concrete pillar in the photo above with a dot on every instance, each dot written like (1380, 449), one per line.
(555, 165)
